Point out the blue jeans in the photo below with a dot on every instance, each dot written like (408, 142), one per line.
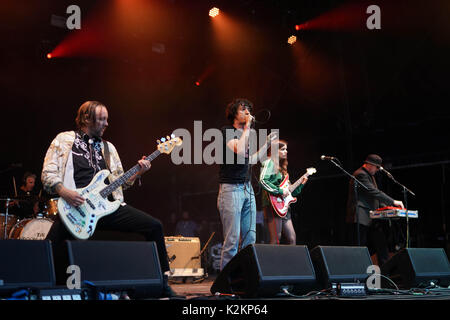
(237, 208)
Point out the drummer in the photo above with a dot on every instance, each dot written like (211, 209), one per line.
(26, 203)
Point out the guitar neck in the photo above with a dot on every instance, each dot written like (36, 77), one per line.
(126, 176)
(295, 185)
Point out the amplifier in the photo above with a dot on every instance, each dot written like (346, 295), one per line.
(183, 253)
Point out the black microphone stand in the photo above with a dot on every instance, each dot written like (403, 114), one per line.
(356, 182)
(405, 200)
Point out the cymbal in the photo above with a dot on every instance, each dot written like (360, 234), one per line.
(25, 197)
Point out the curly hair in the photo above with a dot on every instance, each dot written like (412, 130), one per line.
(233, 106)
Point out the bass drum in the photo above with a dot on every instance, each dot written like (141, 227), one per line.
(31, 229)
(8, 225)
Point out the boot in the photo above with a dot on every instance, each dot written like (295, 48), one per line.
(167, 290)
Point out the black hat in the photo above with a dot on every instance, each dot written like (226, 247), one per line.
(374, 159)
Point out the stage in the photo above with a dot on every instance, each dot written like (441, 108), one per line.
(190, 290)
(99, 92)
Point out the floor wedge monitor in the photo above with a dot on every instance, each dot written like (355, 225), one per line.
(131, 266)
(417, 267)
(261, 270)
(26, 264)
(344, 264)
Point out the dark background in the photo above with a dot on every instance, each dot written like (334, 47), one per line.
(344, 92)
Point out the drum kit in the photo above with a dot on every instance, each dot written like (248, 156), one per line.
(32, 228)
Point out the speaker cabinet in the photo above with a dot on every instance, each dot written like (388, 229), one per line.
(340, 264)
(131, 266)
(263, 270)
(26, 264)
(412, 267)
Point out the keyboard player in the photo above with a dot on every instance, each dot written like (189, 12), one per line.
(371, 232)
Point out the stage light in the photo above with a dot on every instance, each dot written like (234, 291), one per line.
(197, 83)
(292, 40)
(214, 12)
(49, 55)
(297, 27)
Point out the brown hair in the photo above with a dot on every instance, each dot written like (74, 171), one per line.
(283, 163)
(233, 107)
(86, 113)
(28, 175)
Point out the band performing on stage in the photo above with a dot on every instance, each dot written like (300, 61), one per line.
(159, 150)
(83, 181)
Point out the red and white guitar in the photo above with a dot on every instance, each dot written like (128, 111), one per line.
(281, 204)
(82, 220)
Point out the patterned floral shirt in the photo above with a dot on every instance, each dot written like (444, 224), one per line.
(87, 159)
(58, 164)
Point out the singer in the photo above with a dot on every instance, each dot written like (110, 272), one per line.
(236, 199)
(359, 206)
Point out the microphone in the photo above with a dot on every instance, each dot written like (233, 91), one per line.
(327, 158)
(385, 171)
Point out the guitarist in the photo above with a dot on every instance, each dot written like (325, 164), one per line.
(72, 160)
(273, 172)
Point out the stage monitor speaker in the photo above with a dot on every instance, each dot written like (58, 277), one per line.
(340, 264)
(413, 267)
(131, 266)
(26, 264)
(262, 270)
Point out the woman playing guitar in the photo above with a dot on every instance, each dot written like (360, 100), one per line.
(273, 174)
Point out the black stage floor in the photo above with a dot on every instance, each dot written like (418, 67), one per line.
(190, 289)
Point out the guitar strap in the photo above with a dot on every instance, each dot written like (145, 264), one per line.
(106, 154)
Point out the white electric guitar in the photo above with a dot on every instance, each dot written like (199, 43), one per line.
(281, 204)
(82, 220)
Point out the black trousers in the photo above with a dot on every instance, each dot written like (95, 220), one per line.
(372, 237)
(124, 219)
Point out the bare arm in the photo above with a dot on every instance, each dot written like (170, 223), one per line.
(259, 155)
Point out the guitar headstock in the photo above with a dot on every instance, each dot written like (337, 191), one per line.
(311, 171)
(166, 145)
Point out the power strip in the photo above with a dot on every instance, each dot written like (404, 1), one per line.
(349, 289)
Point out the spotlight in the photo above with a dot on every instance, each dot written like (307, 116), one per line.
(292, 40)
(301, 26)
(49, 55)
(214, 12)
(197, 83)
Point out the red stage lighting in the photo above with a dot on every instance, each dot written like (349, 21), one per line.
(197, 83)
(49, 55)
